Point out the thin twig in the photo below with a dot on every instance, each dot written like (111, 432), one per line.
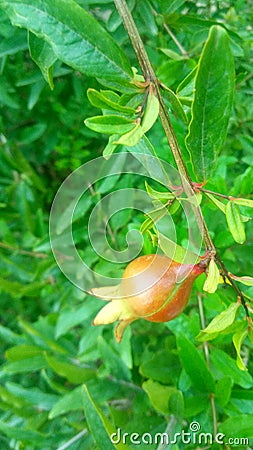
(214, 193)
(203, 325)
(170, 426)
(106, 221)
(74, 439)
(173, 37)
(150, 76)
(23, 252)
(128, 384)
(187, 183)
(238, 291)
(207, 357)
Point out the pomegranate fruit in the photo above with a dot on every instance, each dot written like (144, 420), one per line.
(153, 287)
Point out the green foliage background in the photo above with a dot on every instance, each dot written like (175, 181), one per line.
(49, 349)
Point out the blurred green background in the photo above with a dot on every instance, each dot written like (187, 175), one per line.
(48, 346)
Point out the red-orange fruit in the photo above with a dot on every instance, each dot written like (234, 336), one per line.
(153, 287)
(157, 288)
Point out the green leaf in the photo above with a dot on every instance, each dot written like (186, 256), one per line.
(238, 426)
(163, 367)
(223, 390)
(19, 162)
(12, 400)
(69, 318)
(112, 361)
(9, 337)
(110, 124)
(42, 54)
(224, 365)
(157, 194)
(110, 146)
(195, 404)
(159, 395)
(212, 104)
(100, 100)
(21, 434)
(69, 402)
(172, 6)
(176, 104)
(194, 365)
(26, 365)
(235, 223)
(103, 432)
(151, 112)
(71, 372)
(176, 404)
(131, 138)
(243, 202)
(217, 203)
(247, 281)
(175, 251)
(22, 351)
(16, 42)
(220, 322)
(186, 87)
(238, 339)
(41, 400)
(222, 207)
(213, 278)
(76, 37)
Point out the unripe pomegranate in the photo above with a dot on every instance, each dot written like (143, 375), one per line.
(153, 287)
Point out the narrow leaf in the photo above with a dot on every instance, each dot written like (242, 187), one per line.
(109, 124)
(243, 202)
(176, 105)
(235, 223)
(223, 390)
(212, 104)
(216, 202)
(247, 281)
(176, 404)
(21, 434)
(238, 339)
(213, 278)
(175, 251)
(76, 37)
(159, 395)
(194, 365)
(69, 402)
(151, 112)
(71, 372)
(223, 320)
(101, 101)
(158, 195)
(222, 207)
(42, 54)
(110, 146)
(239, 426)
(103, 432)
(131, 138)
(224, 364)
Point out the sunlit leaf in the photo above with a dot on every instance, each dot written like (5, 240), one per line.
(212, 104)
(235, 223)
(213, 277)
(71, 32)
